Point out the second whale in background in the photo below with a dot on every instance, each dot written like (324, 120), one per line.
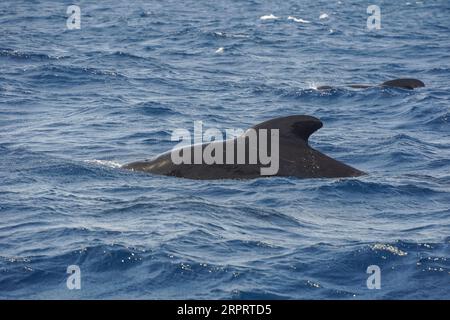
(405, 83)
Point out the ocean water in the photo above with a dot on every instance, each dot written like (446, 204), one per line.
(76, 104)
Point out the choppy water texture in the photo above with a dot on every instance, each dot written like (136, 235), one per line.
(74, 104)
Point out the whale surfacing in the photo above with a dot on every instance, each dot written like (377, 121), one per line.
(296, 158)
(406, 83)
(403, 83)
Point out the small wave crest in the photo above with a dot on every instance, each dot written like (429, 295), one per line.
(20, 55)
(104, 163)
(269, 17)
(299, 20)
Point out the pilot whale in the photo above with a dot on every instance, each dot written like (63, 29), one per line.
(405, 83)
(295, 156)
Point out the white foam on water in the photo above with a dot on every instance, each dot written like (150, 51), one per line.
(105, 163)
(220, 50)
(300, 20)
(312, 85)
(268, 17)
(323, 16)
(390, 248)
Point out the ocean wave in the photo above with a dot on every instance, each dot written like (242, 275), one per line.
(107, 163)
(353, 186)
(19, 55)
(268, 17)
(388, 248)
(151, 108)
(69, 74)
(299, 20)
(227, 35)
(440, 120)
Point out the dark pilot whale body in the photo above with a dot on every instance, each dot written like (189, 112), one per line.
(405, 83)
(296, 157)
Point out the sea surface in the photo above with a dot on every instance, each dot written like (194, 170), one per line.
(75, 104)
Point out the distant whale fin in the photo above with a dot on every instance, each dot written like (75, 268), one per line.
(293, 127)
(325, 87)
(403, 83)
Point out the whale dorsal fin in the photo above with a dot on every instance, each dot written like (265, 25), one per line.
(293, 127)
(404, 83)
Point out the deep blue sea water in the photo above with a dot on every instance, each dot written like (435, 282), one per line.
(75, 104)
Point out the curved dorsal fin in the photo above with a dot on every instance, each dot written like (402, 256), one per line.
(404, 83)
(293, 127)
